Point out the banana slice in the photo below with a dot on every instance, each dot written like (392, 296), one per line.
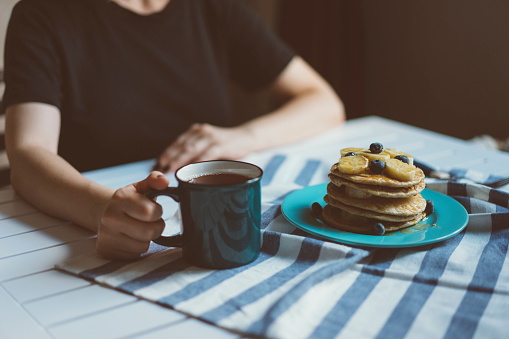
(372, 156)
(353, 165)
(394, 152)
(353, 149)
(398, 170)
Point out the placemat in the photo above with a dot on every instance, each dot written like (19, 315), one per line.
(304, 287)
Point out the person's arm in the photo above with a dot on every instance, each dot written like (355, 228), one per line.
(124, 220)
(310, 106)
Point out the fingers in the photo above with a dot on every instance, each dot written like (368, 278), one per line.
(155, 180)
(210, 153)
(186, 148)
(131, 220)
(188, 155)
(128, 201)
(120, 247)
(203, 142)
(122, 223)
(123, 237)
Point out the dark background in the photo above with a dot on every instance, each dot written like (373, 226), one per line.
(440, 65)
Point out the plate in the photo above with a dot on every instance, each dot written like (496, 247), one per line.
(448, 219)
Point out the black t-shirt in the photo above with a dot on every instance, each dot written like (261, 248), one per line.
(126, 84)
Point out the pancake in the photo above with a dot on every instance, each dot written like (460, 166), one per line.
(334, 217)
(379, 191)
(397, 206)
(367, 213)
(372, 186)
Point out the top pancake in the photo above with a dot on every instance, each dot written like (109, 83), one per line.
(369, 178)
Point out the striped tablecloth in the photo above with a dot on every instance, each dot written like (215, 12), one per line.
(303, 287)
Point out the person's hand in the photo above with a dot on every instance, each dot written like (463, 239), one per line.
(203, 142)
(131, 220)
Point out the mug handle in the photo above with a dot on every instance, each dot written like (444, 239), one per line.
(174, 240)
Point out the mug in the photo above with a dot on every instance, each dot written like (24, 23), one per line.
(220, 208)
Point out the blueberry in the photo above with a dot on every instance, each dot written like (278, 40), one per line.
(350, 154)
(316, 210)
(376, 147)
(430, 208)
(377, 166)
(378, 228)
(403, 158)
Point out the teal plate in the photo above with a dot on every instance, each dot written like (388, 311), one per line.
(448, 219)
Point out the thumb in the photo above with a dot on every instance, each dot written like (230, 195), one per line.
(156, 180)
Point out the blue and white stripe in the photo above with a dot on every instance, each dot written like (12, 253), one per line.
(303, 287)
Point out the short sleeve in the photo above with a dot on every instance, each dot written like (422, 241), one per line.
(31, 64)
(256, 54)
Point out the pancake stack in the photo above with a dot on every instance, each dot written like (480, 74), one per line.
(375, 190)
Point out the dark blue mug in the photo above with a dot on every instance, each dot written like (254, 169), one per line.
(220, 209)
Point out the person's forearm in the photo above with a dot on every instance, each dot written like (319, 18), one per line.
(302, 116)
(52, 185)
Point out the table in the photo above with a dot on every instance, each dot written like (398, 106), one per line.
(38, 301)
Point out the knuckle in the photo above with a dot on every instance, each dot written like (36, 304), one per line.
(145, 234)
(147, 210)
(189, 148)
(203, 126)
(119, 195)
(145, 205)
(149, 233)
(207, 130)
(157, 229)
(157, 212)
(107, 219)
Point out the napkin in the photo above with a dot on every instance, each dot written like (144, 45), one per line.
(305, 287)
(459, 174)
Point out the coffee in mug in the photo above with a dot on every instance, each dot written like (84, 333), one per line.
(219, 179)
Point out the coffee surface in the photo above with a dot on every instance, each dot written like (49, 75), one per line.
(220, 179)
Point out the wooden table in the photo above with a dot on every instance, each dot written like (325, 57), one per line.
(37, 301)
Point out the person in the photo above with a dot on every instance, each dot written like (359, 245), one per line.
(95, 83)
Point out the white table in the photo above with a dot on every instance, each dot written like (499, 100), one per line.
(37, 301)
